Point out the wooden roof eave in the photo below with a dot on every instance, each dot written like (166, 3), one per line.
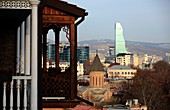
(65, 7)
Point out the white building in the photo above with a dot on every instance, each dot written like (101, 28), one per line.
(135, 60)
(80, 69)
(121, 71)
(123, 59)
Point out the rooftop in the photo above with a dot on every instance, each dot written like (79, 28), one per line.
(119, 67)
(97, 65)
(98, 90)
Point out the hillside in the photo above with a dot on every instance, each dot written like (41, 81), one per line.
(158, 49)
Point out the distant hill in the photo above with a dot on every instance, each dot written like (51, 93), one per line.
(158, 49)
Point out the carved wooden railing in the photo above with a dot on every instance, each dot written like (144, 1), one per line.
(16, 94)
(57, 85)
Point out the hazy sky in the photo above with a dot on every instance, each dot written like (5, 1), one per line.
(142, 20)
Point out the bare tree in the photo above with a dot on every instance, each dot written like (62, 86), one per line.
(152, 87)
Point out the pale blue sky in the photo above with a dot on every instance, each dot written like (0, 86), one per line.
(142, 20)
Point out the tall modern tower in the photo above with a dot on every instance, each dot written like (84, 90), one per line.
(119, 39)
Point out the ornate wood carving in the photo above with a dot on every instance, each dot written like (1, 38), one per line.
(56, 85)
(15, 4)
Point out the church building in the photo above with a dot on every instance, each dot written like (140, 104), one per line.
(97, 92)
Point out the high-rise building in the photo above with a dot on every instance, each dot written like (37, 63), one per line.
(119, 40)
(82, 53)
(65, 53)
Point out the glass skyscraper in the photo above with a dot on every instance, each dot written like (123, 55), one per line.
(51, 52)
(82, 52)
(64, 52)
(119, 39)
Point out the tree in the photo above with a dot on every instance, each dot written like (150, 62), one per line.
(151, 87)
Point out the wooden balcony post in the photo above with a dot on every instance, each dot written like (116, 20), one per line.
(73, 61)
(57, 47)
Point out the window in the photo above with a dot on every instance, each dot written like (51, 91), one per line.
(96, 80)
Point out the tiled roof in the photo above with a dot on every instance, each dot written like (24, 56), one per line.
(98, 90)
(97, 65)
(82, 89)
(98, 98)
(112, 64)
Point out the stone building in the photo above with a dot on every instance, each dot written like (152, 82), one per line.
(97, 92)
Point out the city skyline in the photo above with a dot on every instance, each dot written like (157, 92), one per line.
(142, 20)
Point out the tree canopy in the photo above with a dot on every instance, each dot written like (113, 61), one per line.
(151, 87)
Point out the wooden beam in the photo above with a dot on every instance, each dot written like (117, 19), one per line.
(73, 61)
(58, 19)
(65, 7)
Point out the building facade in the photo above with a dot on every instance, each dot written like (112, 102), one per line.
(123, 59)
(120, 71)
(134, 60)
